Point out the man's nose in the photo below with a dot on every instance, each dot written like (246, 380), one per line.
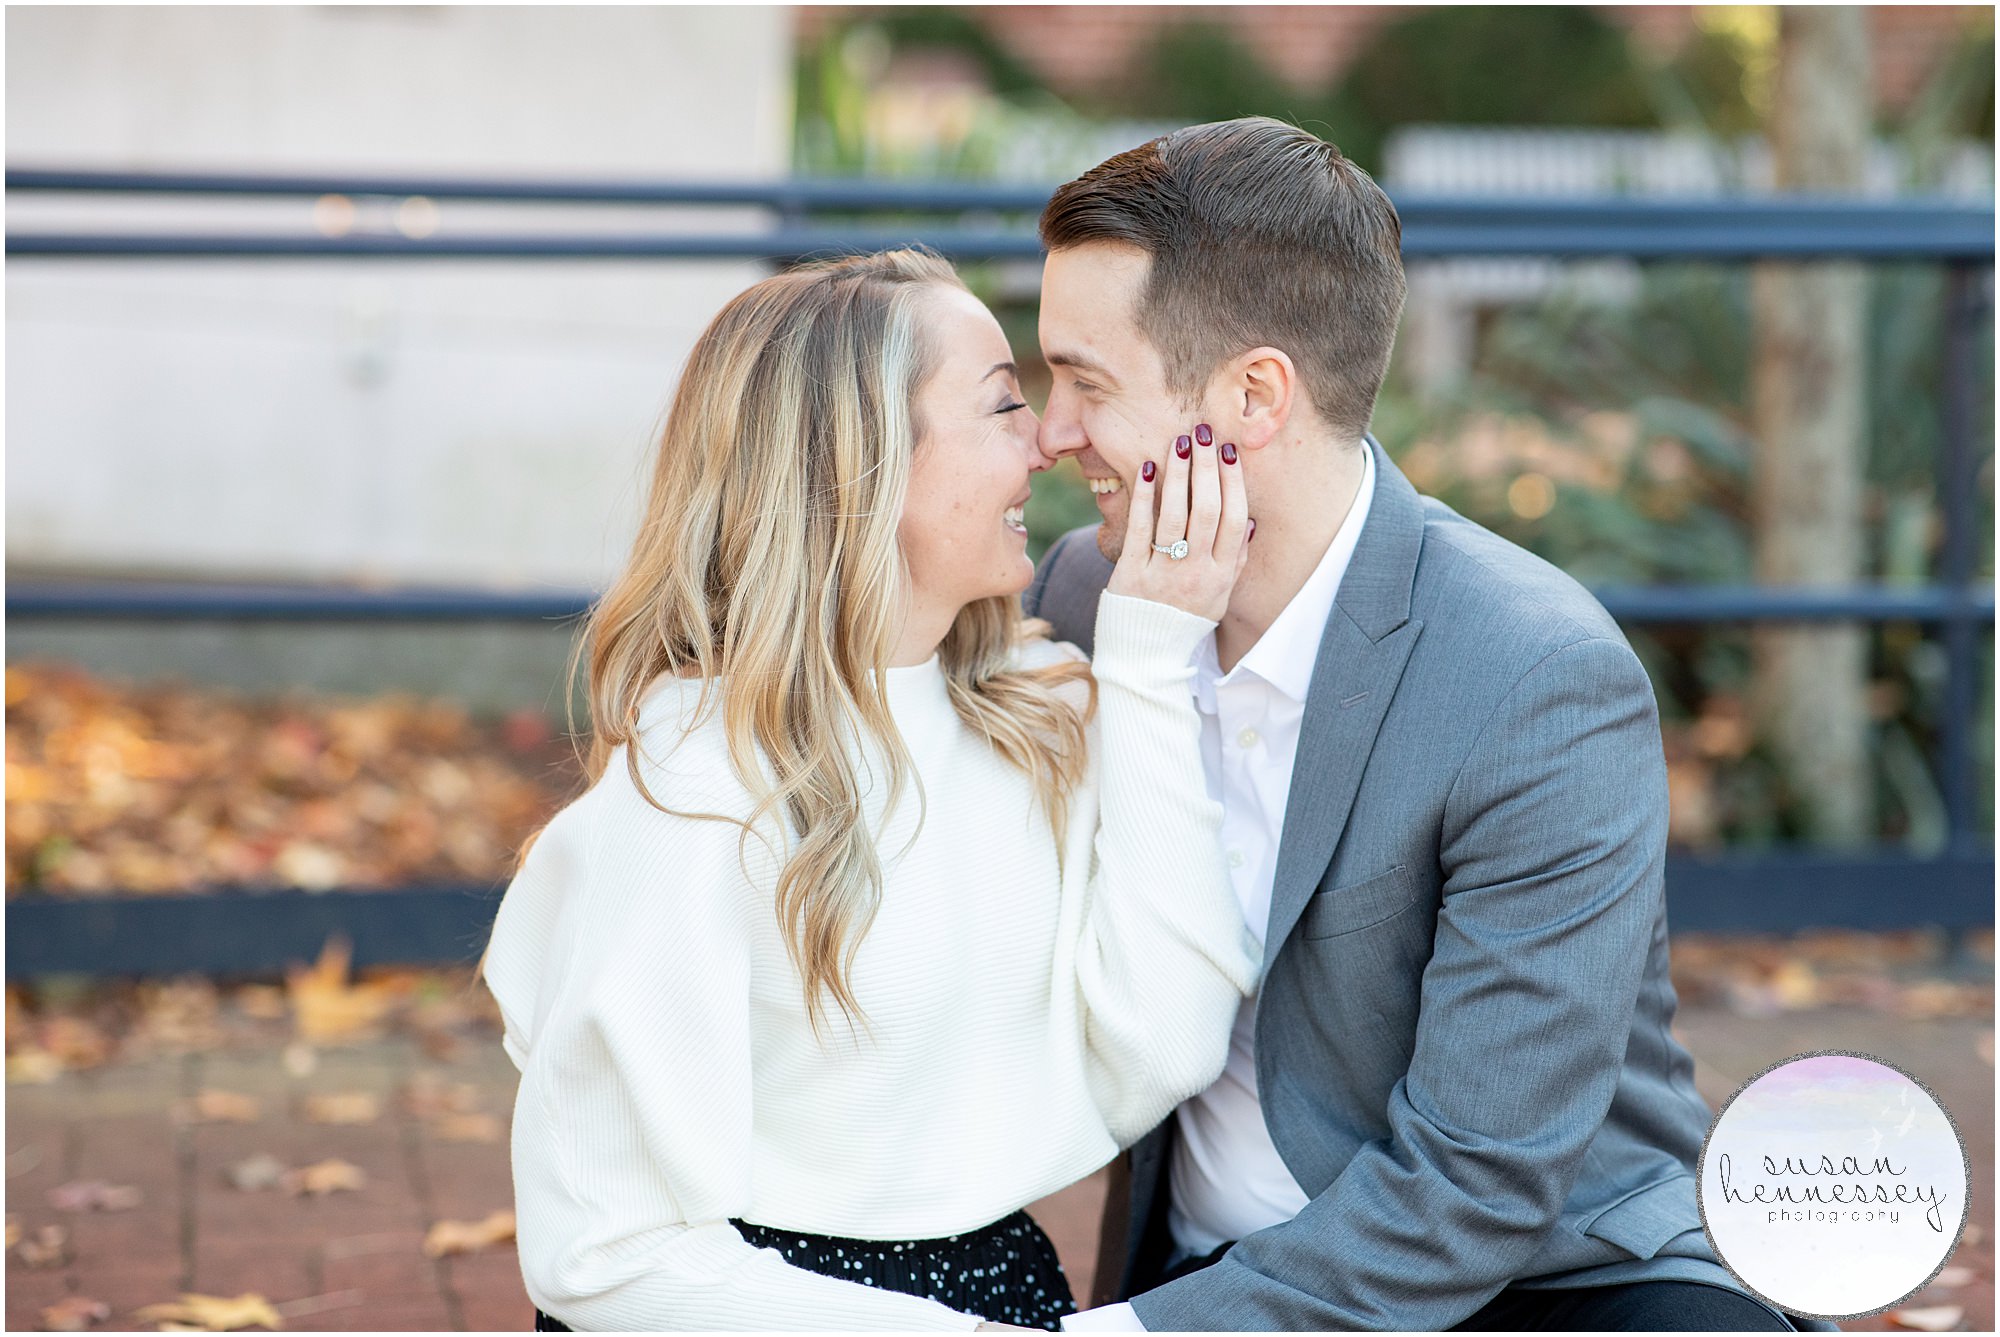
(1061, 434)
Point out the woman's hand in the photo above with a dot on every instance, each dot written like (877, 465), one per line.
(1199, 499)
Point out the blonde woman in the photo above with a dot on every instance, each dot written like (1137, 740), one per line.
(880, 918)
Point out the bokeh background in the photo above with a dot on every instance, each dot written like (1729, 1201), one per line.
(197, 798)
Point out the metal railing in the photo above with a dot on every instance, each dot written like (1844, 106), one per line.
(1765, 890)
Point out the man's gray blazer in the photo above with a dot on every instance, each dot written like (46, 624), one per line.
(1462, 1036)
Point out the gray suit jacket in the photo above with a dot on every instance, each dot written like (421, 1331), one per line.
(1463, 1044)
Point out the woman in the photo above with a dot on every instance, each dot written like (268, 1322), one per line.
(879, 920)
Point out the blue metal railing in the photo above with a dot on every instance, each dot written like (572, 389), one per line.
(804, 217)
(1433, 226)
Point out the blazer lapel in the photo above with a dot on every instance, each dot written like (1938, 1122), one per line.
(1362, 652)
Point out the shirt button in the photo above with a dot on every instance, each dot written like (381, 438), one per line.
(1236, 858)
(1247, 739)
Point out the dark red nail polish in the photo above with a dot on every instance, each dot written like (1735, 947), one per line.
(1253, 532)
(1204, 436)
(1146, 471)
(1182, 447)
(1229, 452)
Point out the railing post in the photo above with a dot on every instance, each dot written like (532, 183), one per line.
(1957, 473)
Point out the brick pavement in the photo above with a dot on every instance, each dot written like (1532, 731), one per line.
(354, 1261)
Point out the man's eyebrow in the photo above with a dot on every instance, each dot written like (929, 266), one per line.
(1077, 361)
(1007, 367)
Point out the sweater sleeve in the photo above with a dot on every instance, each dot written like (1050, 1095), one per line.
(632, 1135)
(1166, 959)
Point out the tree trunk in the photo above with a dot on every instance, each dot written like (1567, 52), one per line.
(1810, 689)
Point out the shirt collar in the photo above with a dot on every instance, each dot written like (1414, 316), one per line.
(1285, 654)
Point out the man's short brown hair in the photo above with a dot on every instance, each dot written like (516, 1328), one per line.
(1260, 234)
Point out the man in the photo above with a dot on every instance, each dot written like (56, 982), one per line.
(1455, 1099)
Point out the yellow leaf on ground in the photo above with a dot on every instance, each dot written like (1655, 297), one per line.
(343, 1107)
(47, 1247)
(467, 1236)
(325, 1008)
(214, 1313)
(1935, 1318)
(33, 1064)
(211, 1105)
(468, 1128)
(74, 1313)
(328, 1176)
(13, 1230)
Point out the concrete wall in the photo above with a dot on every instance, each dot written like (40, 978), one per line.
(407, 421)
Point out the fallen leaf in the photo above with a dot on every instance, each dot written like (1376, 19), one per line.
(468, 1128)
(1934, 1318)
(13, 1230)
(264, 1002)
(85, 1195)
(1953, 1277)
(47, 1247)
(215, 1106)
(213, 1313)
(257, 1172)
(33, 1064)
(325, 1008)
(343, 1107)
(468, 1236)
(74, 1313)
(328, 1176)
(300, 1059)
(78, 1043)
(427, 1096)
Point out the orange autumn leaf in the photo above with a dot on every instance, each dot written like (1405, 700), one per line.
(212, 1105)
(326, 1009)
(467, 1128)
(328, 1176)
(469, 1236)
(343, 1107)
(214, 1313)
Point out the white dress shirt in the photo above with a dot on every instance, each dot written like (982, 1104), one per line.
(1226, 1178)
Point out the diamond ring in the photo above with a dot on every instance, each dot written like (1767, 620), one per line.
(1175, 550)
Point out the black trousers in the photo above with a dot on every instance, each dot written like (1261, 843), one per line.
(1633, 1306)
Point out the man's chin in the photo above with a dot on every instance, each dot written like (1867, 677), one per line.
(1110, 540)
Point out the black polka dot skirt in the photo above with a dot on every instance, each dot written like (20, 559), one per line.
(1007, 1272)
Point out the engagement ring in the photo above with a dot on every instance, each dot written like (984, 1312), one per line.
(1177, 550)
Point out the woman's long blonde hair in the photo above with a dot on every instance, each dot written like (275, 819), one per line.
(767, 565)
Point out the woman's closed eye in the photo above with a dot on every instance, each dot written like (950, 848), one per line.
(1010, 407)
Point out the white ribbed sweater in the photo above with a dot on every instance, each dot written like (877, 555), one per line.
(1023, 1022)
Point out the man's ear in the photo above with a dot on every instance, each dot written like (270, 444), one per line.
(1263, 389)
